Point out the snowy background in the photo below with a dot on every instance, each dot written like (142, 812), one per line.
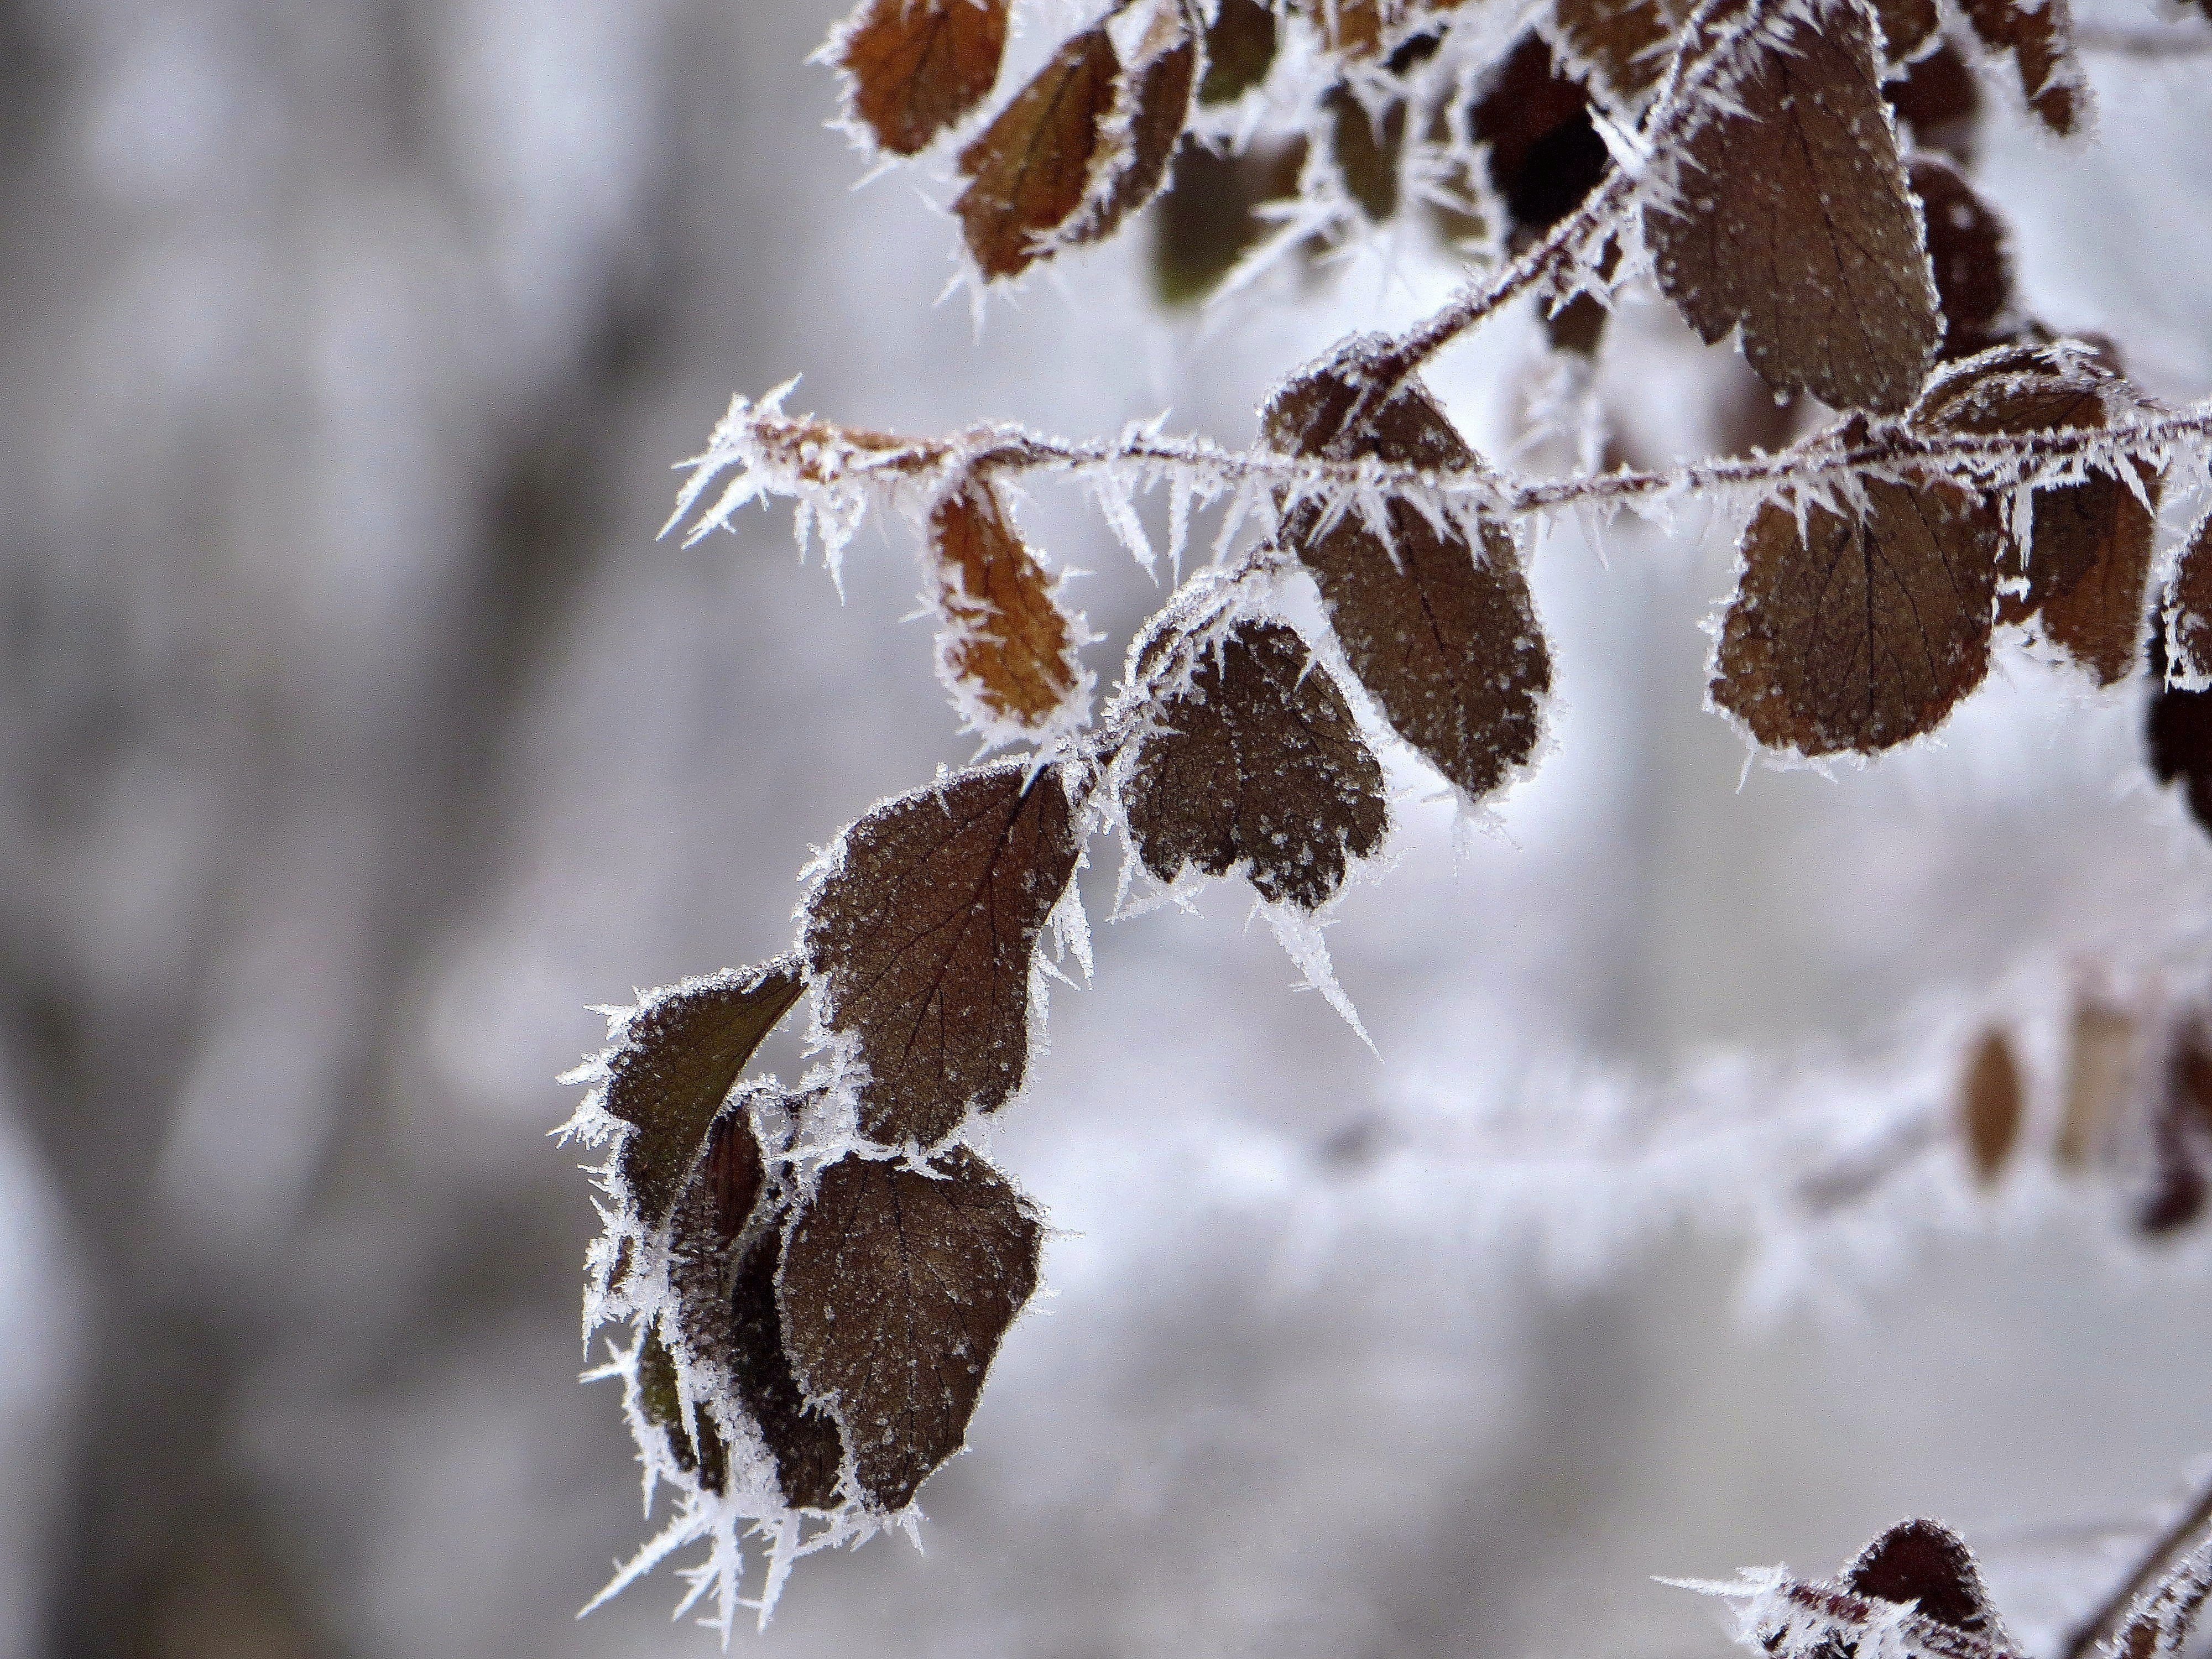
(356, 736)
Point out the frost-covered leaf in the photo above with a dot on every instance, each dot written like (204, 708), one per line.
(1625, 44)
(1937, 101)
(1924, 1564)
(1967, 252)
(1031, 169)
(920, 937)
(802, 1438)
(1792, 221)
(1545, 155)
(2180, 734)
(1008, 647)
(1151, 107)
(1443, 637)
(1240, 49)
(1259, 765)
(2181, 1136)
(1859, 633)
(1207, 218)
(660, 1398)
(2189, 606)
(914, 68)
(1992, 1102)
(897, 1288)
(1906, 26)
(674, 1061)
(2039, 34)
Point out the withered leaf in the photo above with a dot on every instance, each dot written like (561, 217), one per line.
(1260, 764)
(660, 1397)
(1992, 1103)
(1152, 106)
(1031, 169)
(1545, 155)
(915, 68)
(802, 1438)
(1367, 148)
(1006, 643)
(1925, 1564)
(897, 1288)
(1206, 223)
(2189, 606)
(920, 937)
(1444, 637)
(2040, 37)
(1793, 222)
(1967, 252)
(2179, 731)
(673, 1063)
(1240, 49)
(2181, 1135)
(1906, 26)
(1940, 102)
(1859, 634)
(1625, 44)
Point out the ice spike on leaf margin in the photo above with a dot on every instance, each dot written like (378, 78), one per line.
(920, 937)
(1791, 220)
(1624, 45)
(674, 1058)
(898, 1285)
(1007, 649)
(1257, 763)
(1442, 633)
(913, 68)
(1858, 631)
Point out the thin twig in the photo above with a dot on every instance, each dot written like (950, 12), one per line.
(2168, 1549)
(2153, 43)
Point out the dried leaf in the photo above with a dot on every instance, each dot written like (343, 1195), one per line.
(2099, 1079)
(1967, 250)
(1939, 100)
(1205, 220)
(1624, 44)
(920, 937)
(673, 1063)
(660, 1398)
(1260, 765)
(1906, 26)
(1006, 643)
(2179, 730)
(1924, 1564)
(1444, 639)
(897, 1287)
(1992, 1103)
(1545, 155)
(1859, 634)
(2181, 1136)
(2189, 605)
(1240, 49)
(915, 68)
(802, 1438)
(1793, 222)
(1151, 107)
(1366, 155)
(2040, 37)
(1032, 169)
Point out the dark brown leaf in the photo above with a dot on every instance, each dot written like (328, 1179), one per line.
(1793, 223)
(1240, 49)
(1444, 638)
(2181, 737)
(1992, 1103)
(1966, 251)
(2180, 1148)
(1366, 153)
(920, 937)
(1906, 26)
(1259, 765)
(802, 1438)
(673, 1063)
(2040, 37)
(1032, 169)
(1924, 1564)
(1205, 220)
(897, 1288)
(1859, 634)
(1006, 644)
(915, 67)
(1940, 102)
(1545, 155)
(660, 1397)
(2190, 604)
(1624, 44)
(1152, 106)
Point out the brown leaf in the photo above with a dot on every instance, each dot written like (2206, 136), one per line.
(660, 1398)
(897, 1288)
(1006, 642)
(1545, 155)
(920, 937)
(1444, 639)
(1939, 100)
(2181, 1137)
(2040, 38)
(1151, 110)
(1206, 221)
(1859, 634)
(1240, 49)
(1366, 153)
(1967, 252)
(672, 1064)
(1924, 1564)
(915, 68)
(2179, 731)
(1992, 1103)
(2100, 1077)
(1260, 765)
(1624, 44)
(1906, 26)
(802, 1438)
(2189, 604)
(1031, 169)
(1793, 222)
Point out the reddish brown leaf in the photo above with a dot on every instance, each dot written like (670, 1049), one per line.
(1967, 250)
(1151, 108)
(1859, 634)
(1260, 765)
(1625, 45)
(1006, 648)
(1444, 638)
(2189, 605)
(672, 1064)
(920, 939)
(1795, 224)
(1924, 1564)
(1906, 26)
(914, 68)
(1940, 102)
(802, 1438)
(1545, 155)
(1032, 169)
(897, 1288)
(1992, 1103)
(2040, 38)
